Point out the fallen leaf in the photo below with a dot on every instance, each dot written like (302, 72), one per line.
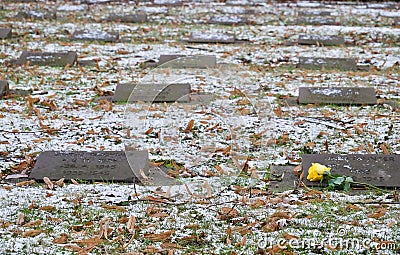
(114, 207)
(226, 213)
(48, 208)
(25, 183)
(20, 219)
(288, 236)
(159, 237)
(378, 214)
(49, 183)
(130, 225)
(171, 246)
(63, 239)
(189, 127)
(32, 224)
(32, 233)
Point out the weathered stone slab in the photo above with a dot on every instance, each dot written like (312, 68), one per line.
(129, 18)
(345, 64)
(91, 166)
(337, 95)
(3, 88)
(72, 8)
(41, 15)
(211, 38)
(229, 20)
(152, 92)
(168, 2)
(95, 36)
(282, 178)
(5, 33)
(97, 1)
(182, 61)
(314, 13)
(238, 10)
(320, 40)
(375, 169)
(309, 5)
(381, 6)
(47, 58)
(315, 20)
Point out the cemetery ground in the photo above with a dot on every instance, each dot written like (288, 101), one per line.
(236, 156)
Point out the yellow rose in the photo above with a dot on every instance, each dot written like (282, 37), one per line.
(316, 171)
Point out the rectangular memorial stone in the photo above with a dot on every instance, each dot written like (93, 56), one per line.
(211, 38)
(152, 92)
(315, 20)
(337, 95)
(131, 18)
(375, 169)
(47, 58)
(229, 21)
(44, 15)
(237, 10)
(72, 8)
(5, 33)
(345, 64)
(320, 40)
(314, 13)
(95, 36)
(187, 61)
(3, 88)
(168, 2)
(90, 166)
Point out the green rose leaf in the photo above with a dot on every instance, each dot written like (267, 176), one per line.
(339, 180)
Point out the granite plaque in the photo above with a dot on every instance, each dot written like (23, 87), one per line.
(375, 169)
(229, 21)
(315, 20)
(91, 166)
(129, 18)
(5, 33)
(337, 95)
(326, 40)
(345, 64)
(182, 61)
(36, 15)
(95, 36)
(314, 13)
(3, 88)
(150, 92)
(72, 8)
(212, 38)
(47, 58)
(238, 10)
(168, 2)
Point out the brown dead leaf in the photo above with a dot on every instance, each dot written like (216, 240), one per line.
(20, 219)
(49, 183)
(63, 239)
(41, 139)
(159, 237)
(114, 207)
(384, 148)
(33, 224)
(32, 233)
(130, 225)
(72, 247)
(288, 236)
(297, 170)
(149, 131)
(189, 127)
(25, 183)
(356, 149)
(309, 144)
(171, 246)
(351, 207)
(227, 213)
(270, 227)
(280, 215)
(48, 208)
(378, 214)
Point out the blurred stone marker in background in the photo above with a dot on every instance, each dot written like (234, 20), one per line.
(182, 61)
(315, 20)
(150, 92)
(382, 170)
(40, 15)
(3, 88)
(326, 40)
(128, 18)
(314, 13)
(95, 36)
(229, 20)
(212, 38)
(345, 64)
(46, 58)
(337, 95)
(5, 33)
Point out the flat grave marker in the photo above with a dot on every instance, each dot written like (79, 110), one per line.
(3, 88)
(345, 64)
(128, 18)
(380, 170)
(152, 92)
(337, 95)
(316, 20)
(328, 40)
(90, 166)
(211, 38)
(168, 2)
(5, 33)
(47, 58)
(95, 36)
(37, 14)
(182, 61)
(229, 20)
(72, 8)
(238, 10)
(314, 13)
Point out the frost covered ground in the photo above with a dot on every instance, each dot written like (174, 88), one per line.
(212, 212)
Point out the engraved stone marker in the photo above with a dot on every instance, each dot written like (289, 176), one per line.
(90, 166)
(3, 88)
(211, 38)
(5, 33)
(96, 36)
(315, 20)
(152, 92)
(320, 39)
(168, 2)
(47, 58)
(337, 95)
(345, 64)
(228, 20)
(375, 169)
(130, 18)
(187, 62)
